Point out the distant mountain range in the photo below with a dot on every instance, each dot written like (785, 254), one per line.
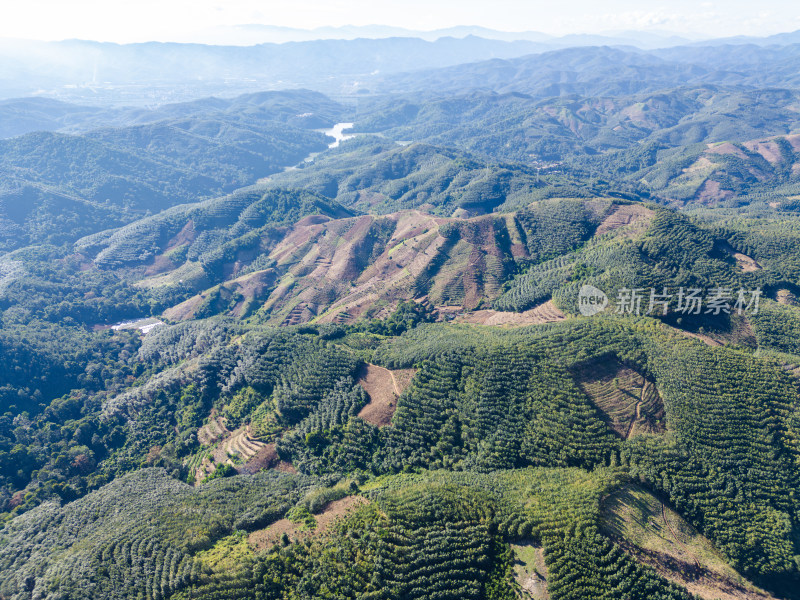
(607, 71)
(153, 73)
(253, 34)
(258, 34)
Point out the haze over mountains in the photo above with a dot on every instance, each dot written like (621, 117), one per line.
(259, 34)
(154, 73)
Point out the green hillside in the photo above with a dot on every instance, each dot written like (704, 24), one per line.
(480, 401)
(59, 187)
(527, 331)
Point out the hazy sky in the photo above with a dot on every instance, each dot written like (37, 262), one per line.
(181, 20)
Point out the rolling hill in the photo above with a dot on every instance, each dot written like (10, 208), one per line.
(608, 71)
(528, 331)
(109, 176)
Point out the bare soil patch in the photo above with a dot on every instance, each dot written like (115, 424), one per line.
(184, 236)
(240, 444)
(768, 149)
(794, 140)
(384, 388)
(745, 263)
(629, 402)
(402, 378)
(786, 297)
(530, 570)
(544, 313)
(711, 191)
(265, 538)
(232, 447)
(285, 466)
(212, 432)
(265, 458)
(336, 510)
(726, 148)
(161, 264)
(625, 215)
(184, 310)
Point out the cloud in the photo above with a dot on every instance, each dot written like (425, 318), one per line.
(124, 21)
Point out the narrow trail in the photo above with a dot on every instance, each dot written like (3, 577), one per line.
(641, 401)
(633, 421)
(638, 411)
(676, 538)
(394, 381)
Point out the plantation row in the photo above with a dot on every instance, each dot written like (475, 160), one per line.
(435, 535)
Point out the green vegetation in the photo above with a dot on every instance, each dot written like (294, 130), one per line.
(443, 531)
(221, 455)
(371, 174)
(60, 187)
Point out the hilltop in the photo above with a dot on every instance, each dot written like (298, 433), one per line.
(528, 329)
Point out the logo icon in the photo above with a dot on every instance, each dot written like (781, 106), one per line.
(591, 301)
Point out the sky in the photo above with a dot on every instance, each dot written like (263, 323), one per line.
(193, 20)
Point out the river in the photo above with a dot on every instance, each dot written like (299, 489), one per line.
(338, 135)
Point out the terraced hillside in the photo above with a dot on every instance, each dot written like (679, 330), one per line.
(372, 377)
(408, 532)
(505, 440)
(329, 270)
(653, 533)
(324, 264)
(628, 400)
(724, 170)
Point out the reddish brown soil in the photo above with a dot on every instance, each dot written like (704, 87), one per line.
(265, 458)
(337, 509)
(184, 236)
(726, 148)
(745, 263)
(184, 310)
(161, 264)
(769, 149)
(629, 402)
(384, 388)
(544, 313)
(786, 297)
(623, 216)
(711, 192)
(285, 467)
(214, 431)
(265, 538)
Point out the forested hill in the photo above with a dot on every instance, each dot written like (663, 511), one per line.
(376, 175)
(300, 108)
(609, 71)
(58, 187)
(507, 446)
(527, 331)
(705, 144)
(519, 127)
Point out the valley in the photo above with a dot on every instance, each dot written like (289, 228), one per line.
(284, 343)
